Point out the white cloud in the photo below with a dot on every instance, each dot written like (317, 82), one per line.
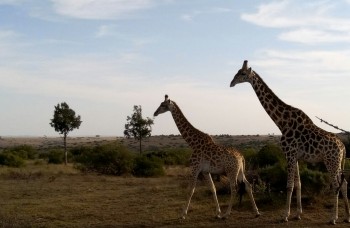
(192, 15)
(101, 9)
(106, 30)
(10, 2)
(305, 64)
(312, 36)
(307, 22)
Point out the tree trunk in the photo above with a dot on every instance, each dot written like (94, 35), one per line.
(140, 146)
(65, 148)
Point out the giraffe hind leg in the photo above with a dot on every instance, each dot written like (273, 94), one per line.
(233, 183)
(249, 190)
(210, 182)
(344, 191)
(191, 189)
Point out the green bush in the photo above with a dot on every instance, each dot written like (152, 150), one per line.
(172, 156)
(11, 159)
(112, 159)
(251, 158)
(24, 151)
(55, 156)
(275, 176)
(270, 155)
(148, 166)
(314, 181)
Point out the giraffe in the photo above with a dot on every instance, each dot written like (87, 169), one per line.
(208, 158)
(301, 140)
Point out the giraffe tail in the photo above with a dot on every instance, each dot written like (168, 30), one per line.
(241, 190)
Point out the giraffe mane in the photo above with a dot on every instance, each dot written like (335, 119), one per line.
(289, 107)
(189, 123)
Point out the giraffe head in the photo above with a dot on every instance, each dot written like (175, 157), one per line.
(163, 107)
(243, 75)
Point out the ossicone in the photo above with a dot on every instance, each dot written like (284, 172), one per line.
(245, 65)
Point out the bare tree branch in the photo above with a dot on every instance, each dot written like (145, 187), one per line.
(336, 127)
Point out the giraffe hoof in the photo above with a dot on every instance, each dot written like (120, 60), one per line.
(332, 222)
(225, 216)
(347, 220)
(285, 219)
(257, 215)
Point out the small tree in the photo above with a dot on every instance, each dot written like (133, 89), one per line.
(137, 127)
(64, 121)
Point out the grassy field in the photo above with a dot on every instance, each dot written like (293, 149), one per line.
(42, 195)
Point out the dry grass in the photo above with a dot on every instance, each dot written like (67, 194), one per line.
(41, 195)
(59, 196)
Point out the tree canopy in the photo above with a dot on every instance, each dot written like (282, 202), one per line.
(64, 120)
(138, 127)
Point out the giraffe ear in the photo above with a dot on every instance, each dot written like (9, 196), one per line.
(250, 70)
(245, 65)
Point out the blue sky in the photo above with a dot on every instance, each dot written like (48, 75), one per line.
(104, 56)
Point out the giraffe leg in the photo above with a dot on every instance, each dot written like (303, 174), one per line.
(335, 191)
(344, 191)
(209, 180)
(297, 185)
(249, 190)
(233, 183)
(290, 184)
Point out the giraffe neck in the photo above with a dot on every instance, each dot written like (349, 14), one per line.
(274, 106)
(188, 132)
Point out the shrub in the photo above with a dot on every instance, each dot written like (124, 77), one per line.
(314, 181)
(275, 176)
(148, 166)
(11, 159)
(111, 159)
(270, 155)
(251, 158)
(173, 156)
(55, 156)
(24, 151)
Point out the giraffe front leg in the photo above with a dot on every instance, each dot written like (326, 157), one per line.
(297, 185)
(290, 184)
(289, 197)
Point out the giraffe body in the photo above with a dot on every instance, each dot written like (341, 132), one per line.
(208, 158)
(301, 140)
